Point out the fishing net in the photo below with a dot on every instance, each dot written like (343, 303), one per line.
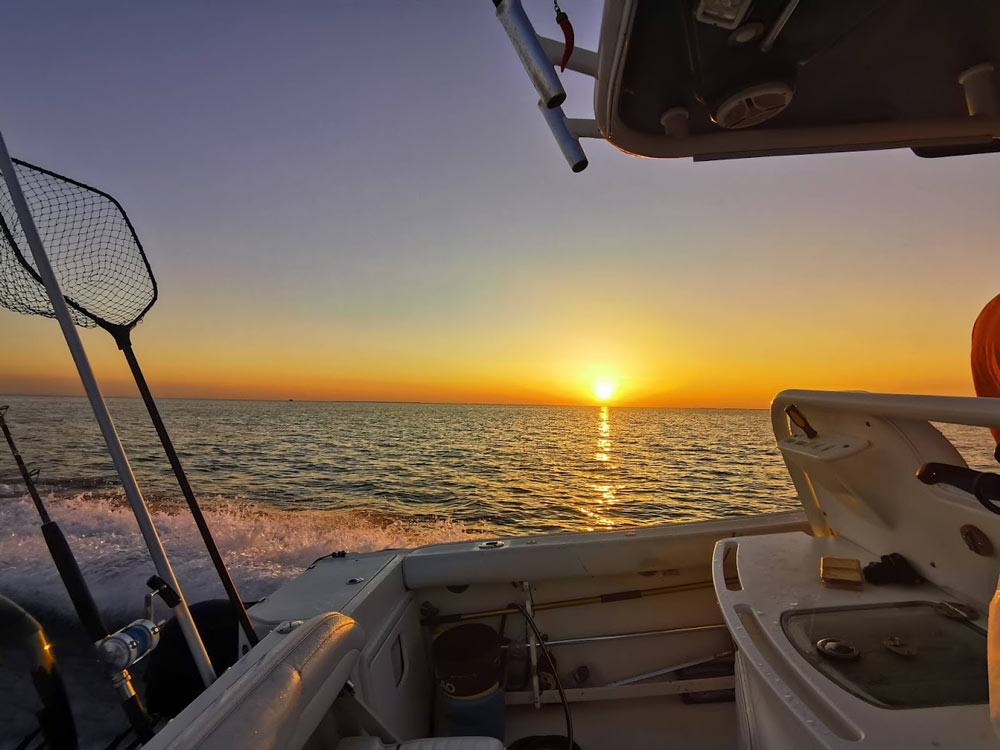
(95, 254)
(105, 277)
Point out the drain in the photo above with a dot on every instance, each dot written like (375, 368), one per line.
(837, 649)
(898, 646)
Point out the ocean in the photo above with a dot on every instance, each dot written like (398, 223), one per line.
(283, 483)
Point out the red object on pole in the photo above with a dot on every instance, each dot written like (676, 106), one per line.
(567, 28)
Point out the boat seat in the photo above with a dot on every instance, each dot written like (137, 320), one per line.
(434, 743)
(279, 702)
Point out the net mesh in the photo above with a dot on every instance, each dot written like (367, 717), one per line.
(93, 249)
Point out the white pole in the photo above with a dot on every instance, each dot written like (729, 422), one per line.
(115, 448)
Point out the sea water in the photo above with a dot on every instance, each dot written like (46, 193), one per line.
(283, 483)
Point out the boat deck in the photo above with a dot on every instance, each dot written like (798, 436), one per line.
(661, 722)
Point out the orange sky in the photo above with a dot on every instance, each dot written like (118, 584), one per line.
(410, 232)
(716, 357)
(821, 302)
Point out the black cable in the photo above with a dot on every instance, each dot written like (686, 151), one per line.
(570, 745)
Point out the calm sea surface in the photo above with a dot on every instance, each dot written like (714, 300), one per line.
(491, 468)
(286, 482)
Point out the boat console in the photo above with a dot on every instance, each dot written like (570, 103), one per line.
(878, 665)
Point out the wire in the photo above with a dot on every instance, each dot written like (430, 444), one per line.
(555, 674)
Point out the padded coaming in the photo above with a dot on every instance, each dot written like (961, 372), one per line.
(278, 703)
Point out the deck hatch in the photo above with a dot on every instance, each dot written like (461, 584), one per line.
(910, 655)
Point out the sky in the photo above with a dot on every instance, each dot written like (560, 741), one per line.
(360, 201)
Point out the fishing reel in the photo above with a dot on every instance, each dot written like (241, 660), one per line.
(125, 647)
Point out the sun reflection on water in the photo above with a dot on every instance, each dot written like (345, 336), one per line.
(605, 489)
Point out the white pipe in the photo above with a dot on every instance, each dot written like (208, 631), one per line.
(568, 143)
(522, 35)
(583, 128)
(115, 448)
(975, 412)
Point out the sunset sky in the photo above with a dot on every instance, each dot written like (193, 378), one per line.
(359, 200)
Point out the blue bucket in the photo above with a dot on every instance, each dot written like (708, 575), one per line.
(471, 717)
(469, 701)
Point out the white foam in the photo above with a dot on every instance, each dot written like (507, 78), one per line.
(262, 546)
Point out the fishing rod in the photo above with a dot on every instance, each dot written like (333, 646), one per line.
(122, 338)
(37, 291)
(108, 283)
(79, 593)
(431, 617)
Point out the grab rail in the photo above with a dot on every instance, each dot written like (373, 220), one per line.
(967, 410)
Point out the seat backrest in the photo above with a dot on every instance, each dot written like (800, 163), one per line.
(279, 701)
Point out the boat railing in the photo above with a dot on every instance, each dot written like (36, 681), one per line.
(965, 410)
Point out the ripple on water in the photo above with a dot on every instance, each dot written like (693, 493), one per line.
(506, 469)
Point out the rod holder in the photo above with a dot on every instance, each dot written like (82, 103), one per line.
(675, 122)
(980, 95)
(568, 143)
(522, 35)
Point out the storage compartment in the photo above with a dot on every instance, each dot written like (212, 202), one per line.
(898, 648)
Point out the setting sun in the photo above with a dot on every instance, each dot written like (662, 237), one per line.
(605, 388)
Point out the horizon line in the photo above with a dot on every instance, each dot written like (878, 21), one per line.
(388, 401)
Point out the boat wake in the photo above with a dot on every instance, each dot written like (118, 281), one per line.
(262, 545)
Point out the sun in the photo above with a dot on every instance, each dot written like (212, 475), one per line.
(604, 388)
